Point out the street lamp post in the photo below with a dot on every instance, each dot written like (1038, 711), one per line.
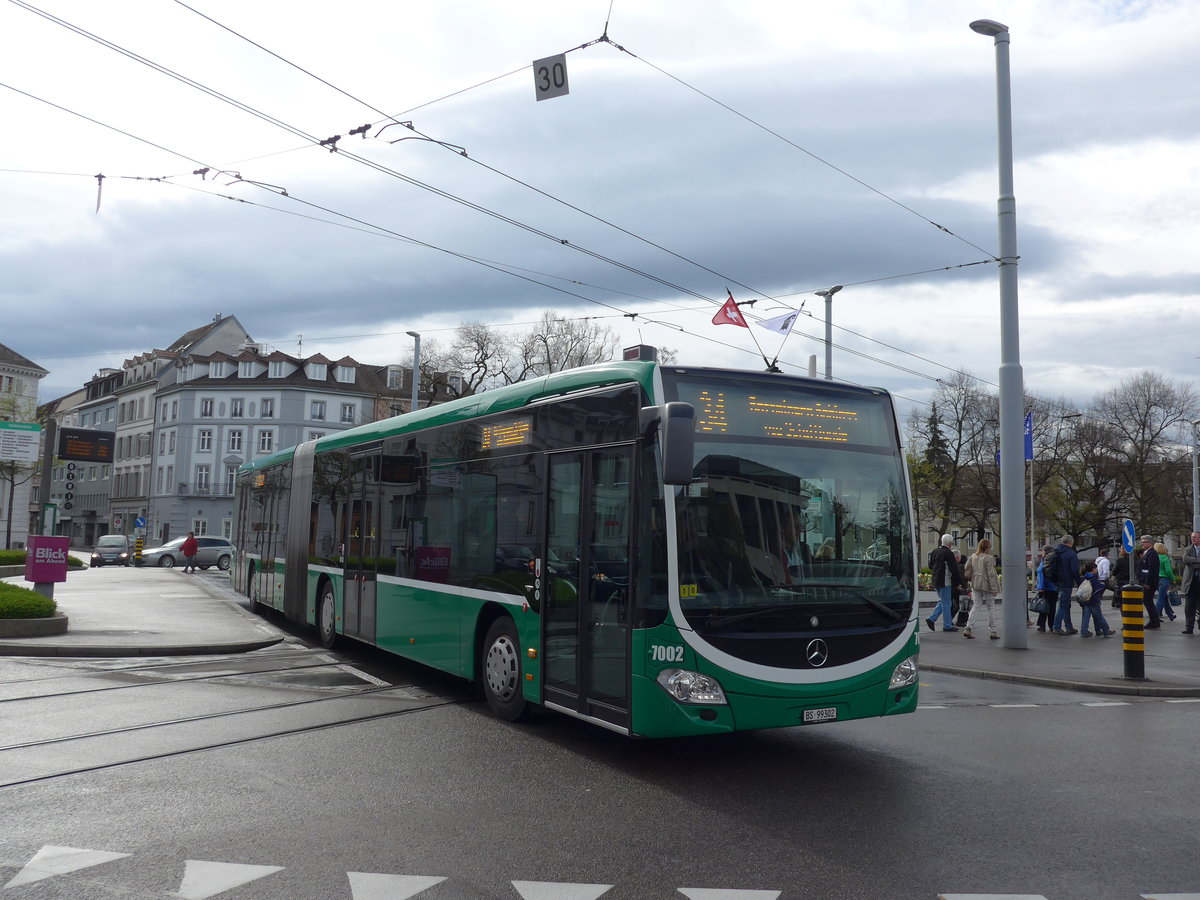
(1196, 476)
(416, 373)
(1012, 390)
(828, 295)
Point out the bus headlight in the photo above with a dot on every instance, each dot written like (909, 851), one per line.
(691, 687)
(904, 674)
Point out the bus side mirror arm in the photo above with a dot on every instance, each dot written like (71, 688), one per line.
(676, 426)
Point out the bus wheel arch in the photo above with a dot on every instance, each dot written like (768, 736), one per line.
(326, 613)
(500, 671)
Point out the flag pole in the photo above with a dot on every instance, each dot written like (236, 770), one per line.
(770, 365)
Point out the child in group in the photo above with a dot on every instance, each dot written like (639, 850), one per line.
(1091, 606)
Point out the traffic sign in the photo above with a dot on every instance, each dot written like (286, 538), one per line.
(1127, 533)
(139, 522)
(19, 441)
(550, 77)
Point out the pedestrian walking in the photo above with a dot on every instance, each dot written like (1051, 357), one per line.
(1166, 579)
(981, 574)
(188, 548)
(1147, 570)
(1065, 577)
(1122, 574)
(1047, 591)
(1092, 605)
(946, 574)
(1190, 582)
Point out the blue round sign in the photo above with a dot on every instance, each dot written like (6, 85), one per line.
(1127, 532)
(139, 522)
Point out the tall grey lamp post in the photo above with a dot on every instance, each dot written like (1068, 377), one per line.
(1012, 389)
(828, 295)
(416, 376)
(1196, 476)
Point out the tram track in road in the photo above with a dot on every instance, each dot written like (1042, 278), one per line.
(76, 743)
(157, 682)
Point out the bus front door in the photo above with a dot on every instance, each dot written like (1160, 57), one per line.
(586, 578)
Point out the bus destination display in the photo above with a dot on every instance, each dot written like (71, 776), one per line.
(785, 416)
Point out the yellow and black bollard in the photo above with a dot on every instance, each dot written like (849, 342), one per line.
(1133, 631)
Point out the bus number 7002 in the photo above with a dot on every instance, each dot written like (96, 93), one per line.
(666, 653)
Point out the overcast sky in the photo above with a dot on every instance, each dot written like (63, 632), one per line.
(774, 148)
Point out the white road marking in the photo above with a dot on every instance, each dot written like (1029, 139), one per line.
(1109, 703)
(554, 890)
(1010, 706)
(727, 894)
(359, 673)
(52, 860)
(202, 878)
(991, 897)
(1188, 700)
(1170, 896)
(368, 886)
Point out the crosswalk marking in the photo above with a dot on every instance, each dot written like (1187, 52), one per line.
(555, 890)
(202, 878)
(52, 860)
(724, 894)
(371, 886)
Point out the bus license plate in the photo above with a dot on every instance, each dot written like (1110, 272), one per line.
(824, 714)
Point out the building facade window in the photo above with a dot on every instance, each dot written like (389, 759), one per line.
(268, 408)
(235, 441)
(199, 527)
(206, 407)
(316, 410)
(276, 369)
(203, 478)
(348, 413)
(205, 440)
(266, 441)
(344, 374)
(237, 408)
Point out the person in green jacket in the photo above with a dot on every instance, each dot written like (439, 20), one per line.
(1166, 581)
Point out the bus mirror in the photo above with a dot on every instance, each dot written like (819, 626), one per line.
(677, 437)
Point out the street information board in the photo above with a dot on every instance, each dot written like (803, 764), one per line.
(19, 441)
(85, 445)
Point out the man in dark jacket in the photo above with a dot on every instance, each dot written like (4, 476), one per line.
(946, 575)
(1148, 579)
(1065, 577)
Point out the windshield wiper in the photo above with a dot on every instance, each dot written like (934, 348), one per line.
(722, 622)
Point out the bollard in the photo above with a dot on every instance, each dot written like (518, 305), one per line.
(1133, 631)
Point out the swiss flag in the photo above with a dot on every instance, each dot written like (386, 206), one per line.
(729, 314)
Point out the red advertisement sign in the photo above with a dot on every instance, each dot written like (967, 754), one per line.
(46, 559)
(433, 564)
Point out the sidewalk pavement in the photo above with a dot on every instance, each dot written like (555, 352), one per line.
(115, 611)
(1171, 660)
(119, 611)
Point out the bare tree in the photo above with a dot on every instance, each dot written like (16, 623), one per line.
(1145, 414)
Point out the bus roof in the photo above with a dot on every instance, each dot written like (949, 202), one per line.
(515, 396)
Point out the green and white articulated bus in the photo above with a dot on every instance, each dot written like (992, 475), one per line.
(659, 550)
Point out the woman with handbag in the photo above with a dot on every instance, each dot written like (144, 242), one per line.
(981, 575)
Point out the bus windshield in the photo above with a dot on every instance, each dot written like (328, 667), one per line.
(796, 517)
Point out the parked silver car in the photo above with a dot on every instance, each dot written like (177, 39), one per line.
(112, 550)
(210, 551)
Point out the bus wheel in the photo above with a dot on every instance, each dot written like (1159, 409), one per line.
(500, 668)
(326, 616)
(251, 591)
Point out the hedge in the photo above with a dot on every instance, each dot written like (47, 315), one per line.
(17, 558)
(17, 602)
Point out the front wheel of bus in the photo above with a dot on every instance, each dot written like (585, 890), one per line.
(326, 617)
(500, 668)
